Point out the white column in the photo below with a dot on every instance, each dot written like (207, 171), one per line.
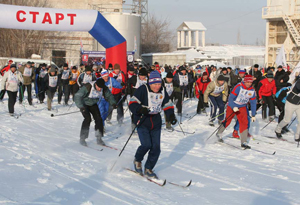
(197, 39)
(267, 45)
(203, 38)
(190, 38)
(182, 39)
(178, 39)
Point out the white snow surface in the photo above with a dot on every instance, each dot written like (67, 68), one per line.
(42, 162)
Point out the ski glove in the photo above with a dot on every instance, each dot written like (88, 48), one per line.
(172, 119)
(253, 119)
(144, 111)
(206, 105)
(82, 110)
(235, 109)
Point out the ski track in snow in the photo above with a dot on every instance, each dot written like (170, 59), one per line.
(42, 162)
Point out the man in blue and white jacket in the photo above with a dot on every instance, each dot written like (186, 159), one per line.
(146, 104)
(241, 94)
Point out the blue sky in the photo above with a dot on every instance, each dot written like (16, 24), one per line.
(222, 18)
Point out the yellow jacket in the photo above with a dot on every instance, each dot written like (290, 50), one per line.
(75, 75)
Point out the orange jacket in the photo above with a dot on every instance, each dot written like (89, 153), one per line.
(73, 80)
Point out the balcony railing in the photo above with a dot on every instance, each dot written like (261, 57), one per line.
(272, 12)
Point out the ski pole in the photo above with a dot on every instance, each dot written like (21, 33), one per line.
(181, 129)
(217, 116)
(70, 106)
(219, 126)
(298, 144)
(269, 122)
(292, 122)
(137, 124)
(192, 116)
(113, 109)
(182, 96)
(52, 115)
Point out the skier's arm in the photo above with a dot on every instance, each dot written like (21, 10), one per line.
(209, 89)
(116, 84)
(20, 77)
(79, 79)
(108, 96)
(78, 98)
(225, 92)
(253, 105)
(135, 101)
(3, 82)
(167, 105)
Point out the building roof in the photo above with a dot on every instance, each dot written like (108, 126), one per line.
(195, 26)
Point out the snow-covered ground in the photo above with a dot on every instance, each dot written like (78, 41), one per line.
(41, 162)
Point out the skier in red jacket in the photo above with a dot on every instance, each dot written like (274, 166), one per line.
(200, 88)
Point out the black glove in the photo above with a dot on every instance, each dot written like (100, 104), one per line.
(82, 110)
(274, 97)
(172, 119)
(206, 105)
(115, 106)
(144, 111)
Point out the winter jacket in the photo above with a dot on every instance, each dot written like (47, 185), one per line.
(121, 79)
(52, 81)
(214, 89)
(176, 82)
(82, 97)
(65, 76)
(294, 96)
(241, 95)
(281, 95)
(266, 88)
(281, 75)
(5, 69)
(134, 83)
(84, 79)
(74, 77)
(233, 79)
(97, 74)
(10, 81)
(201, 86)
(28, 75)
(140, 99)
(113, 84)
(256, 74)
(227, 77)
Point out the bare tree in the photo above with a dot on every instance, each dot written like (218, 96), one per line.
(156, 36)
(22, 43)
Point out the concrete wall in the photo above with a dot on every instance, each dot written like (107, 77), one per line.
(162, 59)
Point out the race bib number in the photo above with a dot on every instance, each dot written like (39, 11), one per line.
(74, 76)
(27, 72)
(155, 102)
(184, 80)
(87, 79)
(43, 73)
(53, 81)
(218, 90)
(244, 97)
(65, 74)
(169, 88)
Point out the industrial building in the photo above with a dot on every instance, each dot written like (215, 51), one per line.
(283, 28)
(63, 47)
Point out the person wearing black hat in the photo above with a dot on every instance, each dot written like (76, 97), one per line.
(134, 83)
(200, 87)
(86, 77)
(217, 93)
(86, 100)
(130, 72)
(73, 86)
(41, 72)
(257, 76)
(28, 76)
(266, 93)
(10, 82)
(81, 68)
(3, 70)
(110, 68)
(63, 87)
(167, 83)
(52, 80)
(181, 81)
(281, 78)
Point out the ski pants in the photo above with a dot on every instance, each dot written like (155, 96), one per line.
(237, 124)
(22, 92)
(150, 142)
(178, 97)
(120, 109)
(12, 98)
(73, 89)
(85, 127)
(2, 93)
(63, 89)
(268, 102)
(200, 103)
(103, 106)
(280, 106)
(50, 96)
(289, 111)
(242, 117)
(59, 92)
(216, 102)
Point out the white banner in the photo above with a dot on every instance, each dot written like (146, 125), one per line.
(48, 19)
(292, 75)
(280, 59)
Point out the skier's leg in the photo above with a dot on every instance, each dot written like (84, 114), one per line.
(154, 152)
(29, 87)
(10, 102)
(213, 105)
(120, 109)
(229, 116)
(145, 140)
(264, 108)
(221, 106)
(85, 127)
(289, 110)
(242, 117)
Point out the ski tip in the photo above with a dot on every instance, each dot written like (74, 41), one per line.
(164, 183)
(274, 153)
(189, 184)
(52, 115)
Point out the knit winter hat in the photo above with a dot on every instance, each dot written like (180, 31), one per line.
(65, 65)
(143, 72)
(256, 66)
(88, 68)
(53, 68)
(248, 78)
(74, 68)
(242, 71)
(100, 83)
(221, 78)
(154, 77)
(169, 75)
(131, 68)
(13, 66)
(104, 73)
(110, 65)
(224, 69)
(270, 75)
(204, 74)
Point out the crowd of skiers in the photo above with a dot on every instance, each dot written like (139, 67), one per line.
(97, 91)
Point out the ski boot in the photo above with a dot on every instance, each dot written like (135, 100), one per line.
(245, 146)
(284, 130)
(297, 140)
(108, 122)
(138, 167)
(100, 141)
(203, 110)
(219, 138)
(211, 123)
(235, 134)
(271, 118)
(170, 129)
(219, 122)
(150, 174)
(278, 135)
(83, 142)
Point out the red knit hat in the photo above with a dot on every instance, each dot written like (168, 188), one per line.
(205, 73)
(248, 78)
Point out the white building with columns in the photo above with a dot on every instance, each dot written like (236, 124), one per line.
(188, 35)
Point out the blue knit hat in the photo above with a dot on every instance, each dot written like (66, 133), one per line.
(154, 77)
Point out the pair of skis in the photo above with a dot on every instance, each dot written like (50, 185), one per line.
(160, 182)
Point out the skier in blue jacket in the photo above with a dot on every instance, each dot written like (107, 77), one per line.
(146, 104)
